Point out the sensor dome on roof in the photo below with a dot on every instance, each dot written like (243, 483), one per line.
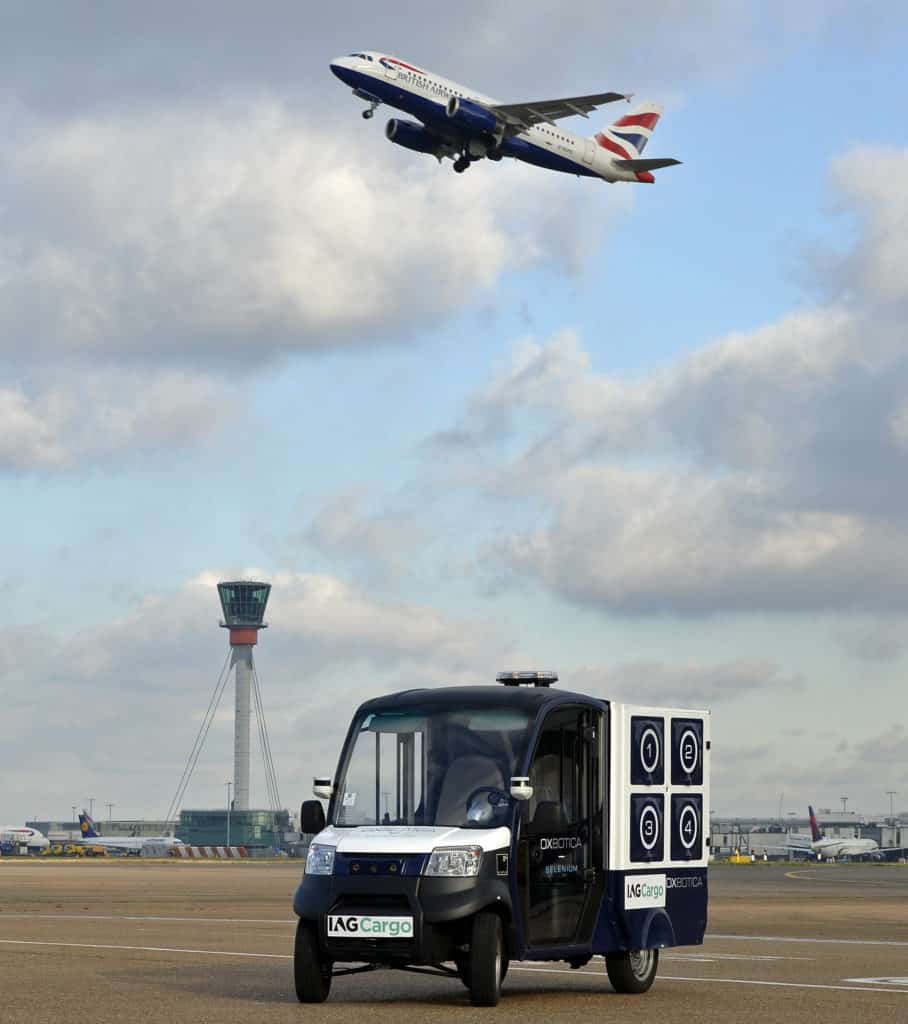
(534, 678)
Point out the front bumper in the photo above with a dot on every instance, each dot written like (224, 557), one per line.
(441, 908)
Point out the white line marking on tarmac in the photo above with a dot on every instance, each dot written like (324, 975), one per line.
(136, 917)
(828, 942)
(878, 981)
(146, 949)
(708, 958)
(723, 981)
(598, 975)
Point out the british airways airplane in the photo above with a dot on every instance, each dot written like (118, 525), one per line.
(465, 126)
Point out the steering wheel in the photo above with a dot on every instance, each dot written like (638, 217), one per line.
(503, 796)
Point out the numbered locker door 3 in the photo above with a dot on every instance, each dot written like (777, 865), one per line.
(647, 830)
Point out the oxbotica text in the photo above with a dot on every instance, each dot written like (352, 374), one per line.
(364, 926)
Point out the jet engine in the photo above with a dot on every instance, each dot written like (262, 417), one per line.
(470, 116)
(411, 135)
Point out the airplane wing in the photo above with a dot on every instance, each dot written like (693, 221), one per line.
(520, 116)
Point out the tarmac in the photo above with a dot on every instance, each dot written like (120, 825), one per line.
(110, 941)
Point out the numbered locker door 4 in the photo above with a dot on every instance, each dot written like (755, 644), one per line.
(687, 827)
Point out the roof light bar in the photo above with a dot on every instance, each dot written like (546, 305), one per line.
(535, 678)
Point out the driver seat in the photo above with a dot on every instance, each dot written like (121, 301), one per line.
(465, 774)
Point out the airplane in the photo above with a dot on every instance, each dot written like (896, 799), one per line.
(462, 125)
(21, 835)
(123, 844)
(827, 848)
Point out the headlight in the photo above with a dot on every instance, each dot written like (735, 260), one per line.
(320, 859)
(455, 861)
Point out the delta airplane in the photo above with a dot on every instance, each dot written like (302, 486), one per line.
(464, 126)
(124, 844)
(21, 835)
(829, 848)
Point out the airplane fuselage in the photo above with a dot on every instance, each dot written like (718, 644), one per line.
(425, 96)
(844, 847)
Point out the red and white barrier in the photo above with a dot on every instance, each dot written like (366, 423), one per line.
(212, 852)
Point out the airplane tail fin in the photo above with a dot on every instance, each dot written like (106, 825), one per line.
(627, 137)
(87, 826)
(815, 833)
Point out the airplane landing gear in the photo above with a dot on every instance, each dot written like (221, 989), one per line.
(370, 111)
(461, 164)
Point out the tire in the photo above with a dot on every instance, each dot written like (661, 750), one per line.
(632, 971)
(488, 963)
(311, 974)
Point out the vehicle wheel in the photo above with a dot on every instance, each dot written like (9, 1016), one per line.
(461, 164)
(311, 974)
(632, 971)
(367, 114)
(487, 963)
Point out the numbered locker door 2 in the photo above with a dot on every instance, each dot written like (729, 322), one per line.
(687, 752)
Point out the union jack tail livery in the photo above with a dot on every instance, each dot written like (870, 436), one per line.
(627, 137)
(815, 834)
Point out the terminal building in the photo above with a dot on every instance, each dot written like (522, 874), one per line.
(249, 828)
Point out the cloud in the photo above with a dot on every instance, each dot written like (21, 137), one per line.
(247, 226)
(59, 421)
(381, 542)
(763, 470)
(686, 684)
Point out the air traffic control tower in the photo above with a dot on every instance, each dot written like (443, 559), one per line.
(243, 603)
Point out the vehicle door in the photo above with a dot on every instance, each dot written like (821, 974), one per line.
(560, 850)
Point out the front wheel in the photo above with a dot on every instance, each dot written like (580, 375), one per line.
(488, 963)
(311, 974)
(632, 971)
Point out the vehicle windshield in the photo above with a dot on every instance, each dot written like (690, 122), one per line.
(432, 766)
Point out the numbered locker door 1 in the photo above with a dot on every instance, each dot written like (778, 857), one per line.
(647, 751)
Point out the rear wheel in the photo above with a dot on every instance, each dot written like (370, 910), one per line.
(632, 971)
(311, 974)
(487, 963)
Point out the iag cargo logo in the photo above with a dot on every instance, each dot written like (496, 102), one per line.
(367, 927)
(643, 891)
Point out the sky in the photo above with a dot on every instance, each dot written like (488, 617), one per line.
(653, 437)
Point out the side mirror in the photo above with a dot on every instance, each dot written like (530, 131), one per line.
(520, 787)
(312, 817)
(322, 788)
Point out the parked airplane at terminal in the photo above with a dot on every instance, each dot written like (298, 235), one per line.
(124, 844)
(828, 848)
(21, 835)
(463, 125)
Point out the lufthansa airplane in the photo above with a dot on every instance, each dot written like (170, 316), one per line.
(121, 844)
(465, 126)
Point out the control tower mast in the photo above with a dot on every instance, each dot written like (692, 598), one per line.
(243, 603)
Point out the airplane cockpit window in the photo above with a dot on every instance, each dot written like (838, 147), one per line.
(361, 56)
